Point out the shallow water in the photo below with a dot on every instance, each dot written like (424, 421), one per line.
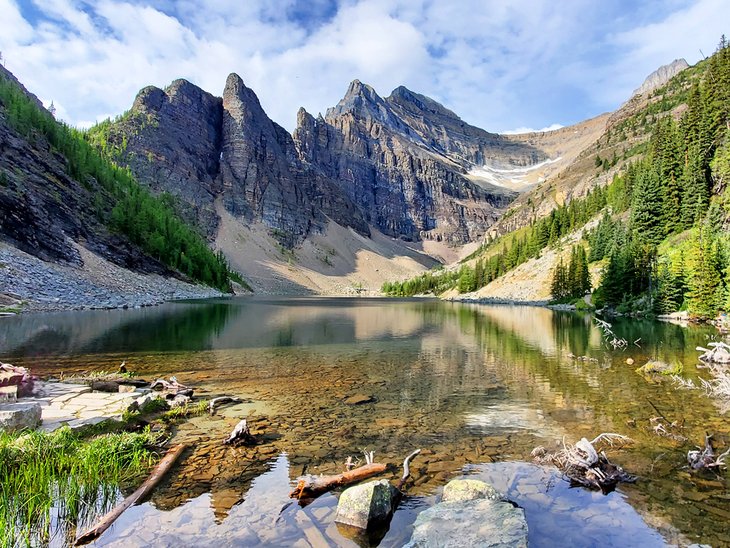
(476, 387)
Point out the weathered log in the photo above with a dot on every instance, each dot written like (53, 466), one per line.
(705, 459)
(241, 435)
(313, 486)
(157, 474)
(221, 400)
(172, 385)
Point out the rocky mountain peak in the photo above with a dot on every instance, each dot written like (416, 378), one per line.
(661, 76)
(236, 91)
(362, 101)
(417, 103)
(149, 99)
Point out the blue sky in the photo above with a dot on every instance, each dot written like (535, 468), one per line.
(500, 65)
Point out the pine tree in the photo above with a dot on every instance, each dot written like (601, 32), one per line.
(647, 215)
(705, 280)
(559, 284)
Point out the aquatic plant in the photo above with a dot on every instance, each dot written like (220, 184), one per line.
(51, 483)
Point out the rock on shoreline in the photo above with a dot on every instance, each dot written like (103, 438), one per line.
(42, 286)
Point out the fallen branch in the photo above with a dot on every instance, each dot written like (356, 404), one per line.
(407, 469)
(157, 474)
(313, 486)
(221, 400)
(699, 460)
(241, 435)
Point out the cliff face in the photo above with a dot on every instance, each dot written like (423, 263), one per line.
(403, 160)
(397, 164)
(200, 148)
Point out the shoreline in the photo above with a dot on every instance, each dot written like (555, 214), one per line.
(29, 285)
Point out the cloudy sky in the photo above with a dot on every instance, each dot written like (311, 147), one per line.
(501, 65)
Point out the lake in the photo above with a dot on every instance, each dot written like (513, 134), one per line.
(476, 387)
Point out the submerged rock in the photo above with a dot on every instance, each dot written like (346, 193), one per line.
(19, 416)
(359, 399)
(366, 504)
(462, 490)
(470, 523)
(471, 513)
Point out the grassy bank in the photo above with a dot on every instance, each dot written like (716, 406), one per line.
(53, 483)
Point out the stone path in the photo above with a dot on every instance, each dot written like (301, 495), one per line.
(76, 405)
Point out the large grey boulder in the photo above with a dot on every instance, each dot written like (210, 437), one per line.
(462, 490)
(366, 504)
(471, 523)
(471, 513)
(19, 416)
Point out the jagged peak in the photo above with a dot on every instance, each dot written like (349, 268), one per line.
(661, 76)
(360, 99)
(402, 94)
(236, 90)
(304, 118)
(148, 98)
(356, 87)
(181, 84)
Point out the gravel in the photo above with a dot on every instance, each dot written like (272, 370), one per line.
(44, 286)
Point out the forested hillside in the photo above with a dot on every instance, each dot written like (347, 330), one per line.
(662, 233)
(119, 203)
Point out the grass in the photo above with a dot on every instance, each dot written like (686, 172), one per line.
(187, 410)
(52, 483)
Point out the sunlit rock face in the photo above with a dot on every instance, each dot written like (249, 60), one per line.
(404, 160)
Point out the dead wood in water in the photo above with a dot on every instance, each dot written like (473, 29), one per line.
(157, 474)
(585, 466)
(706, 459)
(407, 469)
(221, 400)
(313, 486)
(241, 435)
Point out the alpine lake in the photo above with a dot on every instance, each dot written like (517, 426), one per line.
(475, 387)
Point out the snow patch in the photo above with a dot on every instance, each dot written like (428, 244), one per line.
(514, 178)
(520, 130)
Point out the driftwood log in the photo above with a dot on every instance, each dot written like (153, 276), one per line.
(157, 474)
(706, 458)
(221, 400)
(585, 466)
(170, 386)
(313, 486)
(719, 353)
(241, 435)
(407, 469)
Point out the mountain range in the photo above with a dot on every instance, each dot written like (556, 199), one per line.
(399, 182)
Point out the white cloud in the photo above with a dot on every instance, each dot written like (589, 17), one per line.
(498, 64)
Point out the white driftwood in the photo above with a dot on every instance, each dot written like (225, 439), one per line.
(240, 435)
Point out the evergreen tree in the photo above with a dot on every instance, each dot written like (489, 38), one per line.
(647, 213)
(705, 295)
(559, 285)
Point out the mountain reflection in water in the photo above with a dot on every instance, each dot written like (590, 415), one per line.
(477, 387)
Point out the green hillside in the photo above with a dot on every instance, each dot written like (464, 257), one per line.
(119, 201)
(663, 222)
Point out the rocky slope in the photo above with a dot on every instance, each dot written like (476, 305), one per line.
(44, 210)
(55, 252)
(592, 152)
(398, 164)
